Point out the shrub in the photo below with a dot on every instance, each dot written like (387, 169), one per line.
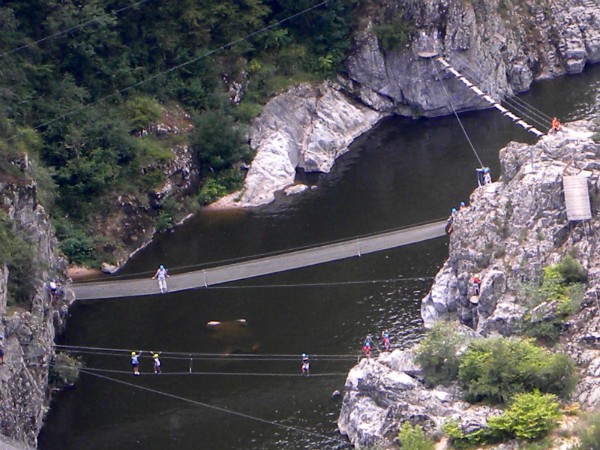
(461, 440)
(561, 284)
(571, 271)
(393, 35)
(496, 369)
(589, 432)
(438, 354)
(19, 256)
(530, 416)
(211, 191)
(142, 112)
(413, 438)
(64, 371)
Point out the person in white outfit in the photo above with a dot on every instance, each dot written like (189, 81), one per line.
(162, 276)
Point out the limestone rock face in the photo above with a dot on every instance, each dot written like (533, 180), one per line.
(29, 333)
(308, 127)
(511, 230)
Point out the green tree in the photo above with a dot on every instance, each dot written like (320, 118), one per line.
(438, 353)
(217, 142)
(497, 368)
(530, 416)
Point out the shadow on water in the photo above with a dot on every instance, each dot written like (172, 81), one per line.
(402, 172)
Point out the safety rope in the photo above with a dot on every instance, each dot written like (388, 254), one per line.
(216, 408)
(201, 355)
(240, 374)
(456, 114)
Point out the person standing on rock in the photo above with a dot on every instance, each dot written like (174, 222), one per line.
(162, 276)
(135, 362)
(487, 176)
(476, 283)
(1, 349)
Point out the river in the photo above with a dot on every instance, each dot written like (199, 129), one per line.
(400, 173)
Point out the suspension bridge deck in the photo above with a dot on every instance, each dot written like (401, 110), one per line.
(262, 266)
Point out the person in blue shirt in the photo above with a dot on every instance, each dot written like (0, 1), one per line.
(135, 362)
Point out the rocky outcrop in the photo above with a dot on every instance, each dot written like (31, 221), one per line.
(307, 128)
(29, 324)
(511, 230)
(381, 394)
(501, 45)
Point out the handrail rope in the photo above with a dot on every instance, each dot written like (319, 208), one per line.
(81, 25)
(172, 69)
(217, 408)
(247, 355)
(222, 358)
(241, 374)
(456, 114)
(479, 75)
(265, 254)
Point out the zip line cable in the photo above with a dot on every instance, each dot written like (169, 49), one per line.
(77, 27)
(456, 114)
(223, 374)
(174, 68)
(261, 255)
(216, 408)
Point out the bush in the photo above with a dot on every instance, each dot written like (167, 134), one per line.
(64, 371)
(438, 354)
(589, 432)
(530, 416)
(571, 271)
(19, 256)
(393, 35)
(142, 112)
(414, 438)
(498, 368)
(562, 283)
(461, 440)
(211, 191)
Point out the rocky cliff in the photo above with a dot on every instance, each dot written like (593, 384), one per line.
(511, 230)
(503, 45)
(29, 322)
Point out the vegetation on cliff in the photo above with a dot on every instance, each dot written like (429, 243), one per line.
(81, 96)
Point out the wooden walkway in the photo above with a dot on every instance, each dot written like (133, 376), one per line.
(263, 266)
